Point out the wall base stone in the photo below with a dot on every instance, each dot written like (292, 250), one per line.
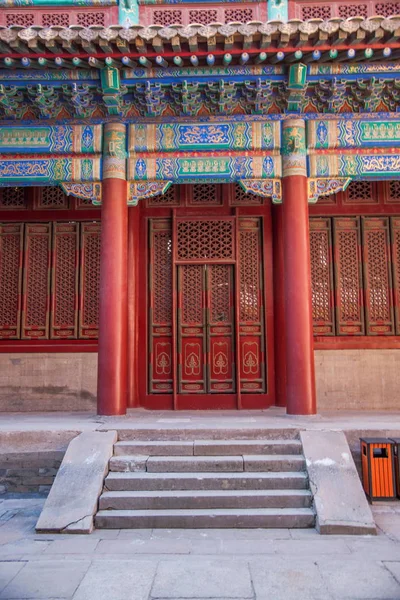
(361, 380)
(357, 380)
(48, 382)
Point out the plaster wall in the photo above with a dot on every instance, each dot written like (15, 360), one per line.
(346, 380)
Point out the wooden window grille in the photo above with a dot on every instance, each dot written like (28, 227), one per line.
(355, 273)
(352, 10)
(361, 192)
(242, 198)
(86, 19)
(22, 19)
(205, 194)
(49, 280)
(167, 17)
(205, 17)
(316, 12)
(387, 9)
(322, 276)
(242, 15)
(170, 198)
(55, 19)
(51, 197)
(13, 198)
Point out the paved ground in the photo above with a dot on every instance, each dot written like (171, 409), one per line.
(273, 417)
(195, 564)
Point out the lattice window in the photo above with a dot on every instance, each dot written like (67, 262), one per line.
(35, 322)
(86, 19)
(203, 16)
(348, 278)
(12, 198)
(249, 276)
(162, 277)
(321, 276)
(64, 319)
(352, 10)
(361, 192)
(205, 194)
(84, 203)
(395, 225)
(316, 12)
(206, 239)
(11, 243)
(393, 192)
(241, 198)
(241, 15)
(55, 20)
(377, 275)
(387, 9)
(51, 198)
(220, 293)
(22, 19)
(160, 296)
(192, 294)
(167, 17)
(170, 198)
(89, 280)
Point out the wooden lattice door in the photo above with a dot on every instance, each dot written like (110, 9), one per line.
(206, 313)
(205, 329)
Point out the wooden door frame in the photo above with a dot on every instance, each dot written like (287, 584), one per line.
(210, 402)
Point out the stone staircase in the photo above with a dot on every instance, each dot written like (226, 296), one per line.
(206, 483)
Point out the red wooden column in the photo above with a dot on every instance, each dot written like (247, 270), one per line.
(133, 305)
(279, 306)
(300, 374)
(112, 375)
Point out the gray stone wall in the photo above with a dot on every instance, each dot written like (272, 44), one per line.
(48, 381)
(346, 380)
(357, 379)
(23, 472)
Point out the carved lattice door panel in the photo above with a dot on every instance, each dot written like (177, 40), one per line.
(205, 329)
(250, 307)
(206, 309)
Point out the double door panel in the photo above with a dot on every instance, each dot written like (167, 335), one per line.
(206, 329)
(206, 308)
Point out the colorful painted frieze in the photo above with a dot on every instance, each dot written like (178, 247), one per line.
(60, 139)
(218, 168)
(181, 137)
(352, 133)
(40, 171)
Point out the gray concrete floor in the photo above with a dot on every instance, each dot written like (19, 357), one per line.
(195, 564)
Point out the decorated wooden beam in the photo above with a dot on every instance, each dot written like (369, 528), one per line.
(324, 186)
(266, 188)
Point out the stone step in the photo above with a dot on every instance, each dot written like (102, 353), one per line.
(204, 518)
(166, 500)
(185, 432)
(202, 464)
(205, 481)
(207, 447)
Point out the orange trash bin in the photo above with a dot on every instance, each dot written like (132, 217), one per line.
(378, 472)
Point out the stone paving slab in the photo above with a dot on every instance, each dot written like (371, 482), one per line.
(125, 580)
(53, 578)
(359, 579)
(219, 564)
(205, 580)
(290, 579)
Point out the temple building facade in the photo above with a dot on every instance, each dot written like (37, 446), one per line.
(199, 205)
